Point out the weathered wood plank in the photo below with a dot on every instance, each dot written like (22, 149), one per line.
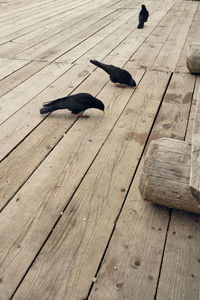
(106, 46)
(138, 270)
(169, 55)
(131, 265)
(130, 269)
(8, 66)
(33, 25)
(7, 14)
(42, 34)
(41, 141)
(123, 37)
(100, 36)
(111, 172)
(193, 36)
(195, 158)
(166, 175)
(175, 107)
(30, 88)
(136, 38)
(19, 76)
(149, 50)
(80, 145)
(13, 131)
(21, 20)
(43, 136)
(188, 137)
(29, 15)
(28, 117)
(180, 269)
(67, 39)
(59, 49)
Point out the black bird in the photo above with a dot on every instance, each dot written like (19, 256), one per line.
(143, 16)
(118, 76)
(76, 103)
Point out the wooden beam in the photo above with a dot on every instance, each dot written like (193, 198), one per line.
(166, 173)
(195, 154)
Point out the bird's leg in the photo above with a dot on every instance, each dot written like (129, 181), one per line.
(82, 116)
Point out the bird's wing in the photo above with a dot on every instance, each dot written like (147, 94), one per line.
(78, 103)
(68, 102)
(120, 76)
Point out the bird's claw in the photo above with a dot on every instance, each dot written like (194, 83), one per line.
(119, 85)
(83, 116)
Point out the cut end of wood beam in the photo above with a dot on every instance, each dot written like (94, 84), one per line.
(166, 175)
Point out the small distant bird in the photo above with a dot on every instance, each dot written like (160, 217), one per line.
(143, 16)
(76, 103)
(119, 76)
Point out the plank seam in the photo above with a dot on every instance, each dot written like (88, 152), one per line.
(45, 155)
(67, 28)
(69, 201)
(130, 185)
(25, 78)
(163, 253)
(43, 20)
(171, 210)
(190, 108)
(46, 87)
(137, 49)
(88, 36)
(28, 62)
(106, 38)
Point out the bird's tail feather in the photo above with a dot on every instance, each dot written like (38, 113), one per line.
(52, 103)
(100, 65)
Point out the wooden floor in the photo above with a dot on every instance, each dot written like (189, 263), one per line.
(73, 225)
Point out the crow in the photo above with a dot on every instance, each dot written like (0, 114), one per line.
(143, 16)
(119, 76)
(75, 103)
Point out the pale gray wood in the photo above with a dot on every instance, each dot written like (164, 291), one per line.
(62, 42)
(100, 193)
(169, 54)
(166, 173)
(188, 137)
(66, 25)
(148, 51)
(130, 268)
(195, 154)
(29, 89)
(193, 36)
(180, 272)
(19, 76)
(136, 38)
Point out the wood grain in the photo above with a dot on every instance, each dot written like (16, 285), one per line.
(66, 172)
(166, 175)
(195, 159)
(193, 36)
(29, 89)
(169, 55)
(180, 271)
(131, 266)
(101, 192)
(149, 50)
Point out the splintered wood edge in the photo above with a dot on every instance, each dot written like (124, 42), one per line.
(195, 153)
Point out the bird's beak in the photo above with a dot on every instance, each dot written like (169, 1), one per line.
(136, 86)
(104, 112)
